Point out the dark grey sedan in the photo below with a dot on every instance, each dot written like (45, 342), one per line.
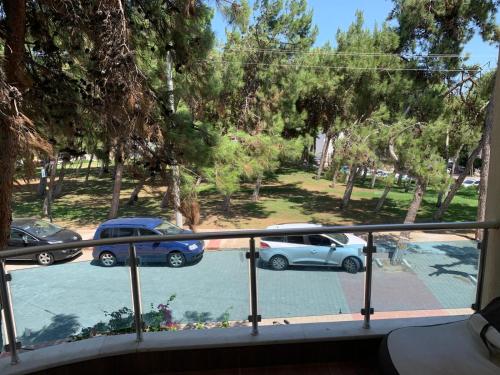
(35, 232)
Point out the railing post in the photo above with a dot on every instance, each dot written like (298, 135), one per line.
(254, 318)
(367, 310)
(136, 291)
(482, 246)
(8, 313)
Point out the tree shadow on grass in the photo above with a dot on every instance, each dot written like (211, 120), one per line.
(61, 327)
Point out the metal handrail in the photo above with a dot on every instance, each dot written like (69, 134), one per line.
(373, 228)
(252, 255)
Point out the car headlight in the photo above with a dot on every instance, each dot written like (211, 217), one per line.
(192, 247)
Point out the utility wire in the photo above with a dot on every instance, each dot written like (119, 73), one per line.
(341, 53)
(345, 67)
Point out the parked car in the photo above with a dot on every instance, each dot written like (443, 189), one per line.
(35, 232)
(174, 253)
(339, 249)
(470, 182)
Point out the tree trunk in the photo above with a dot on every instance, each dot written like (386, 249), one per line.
(226, 204)
(59, 185)
(89, 167)
(439, 200)
(176, 194)
(485, 166)
(256, 190)
(411, 214)
(347, 175)
(400, 179)
(335, 172)
(165, 200)
(322, 160)
(42, 185)
(49, 195)
(381, 200)
(117, 186)
(82, 159)
(135, 193)
(363, 178)
(15, 28)
(348, 188)
(438, 215)
(374, 178)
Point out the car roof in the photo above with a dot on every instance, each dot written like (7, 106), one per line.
(294, 225)
(144, 222)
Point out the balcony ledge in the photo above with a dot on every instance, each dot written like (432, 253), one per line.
(110, 346)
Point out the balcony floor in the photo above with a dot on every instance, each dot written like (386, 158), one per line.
(327, 368)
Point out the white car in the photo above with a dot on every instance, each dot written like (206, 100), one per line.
(336, 249)
(469, 183)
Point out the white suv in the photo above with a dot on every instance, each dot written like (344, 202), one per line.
(337, 249)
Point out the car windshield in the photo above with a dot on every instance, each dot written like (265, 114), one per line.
(168, 228)
(41, 228)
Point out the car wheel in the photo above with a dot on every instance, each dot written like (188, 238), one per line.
(107, 259)
(45, 259)
(351, 264)
(278, 263)
(176, 259)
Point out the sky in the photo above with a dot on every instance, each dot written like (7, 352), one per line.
(330, 15)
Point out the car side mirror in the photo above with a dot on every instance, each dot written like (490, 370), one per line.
(333, 246)
(25, 240)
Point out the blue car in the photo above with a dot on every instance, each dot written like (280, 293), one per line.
(174, 253)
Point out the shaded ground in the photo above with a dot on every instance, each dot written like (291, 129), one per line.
(53, 302)
(289, 196)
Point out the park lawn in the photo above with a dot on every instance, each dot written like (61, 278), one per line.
(290, 195)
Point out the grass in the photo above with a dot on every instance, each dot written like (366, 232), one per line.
(289, 196)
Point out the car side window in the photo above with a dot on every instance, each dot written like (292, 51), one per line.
(318, 240)
(340, 237)
(295, 239)
(273, 239)
(106, 233)
(146, 232)
(16, 235)
(125, 232)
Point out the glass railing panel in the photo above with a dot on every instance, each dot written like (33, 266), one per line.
(427, 273)
(185, 288)
(69, 300)
(314, 284)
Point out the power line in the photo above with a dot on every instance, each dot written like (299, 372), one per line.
(346, 67)
(342, 53)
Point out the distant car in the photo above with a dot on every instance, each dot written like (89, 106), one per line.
(34, 232)
(477, 182)
(382, 173)
(469, 183)
(339, 249)
(174, 253)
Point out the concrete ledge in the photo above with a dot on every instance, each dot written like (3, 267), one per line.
(110, 346)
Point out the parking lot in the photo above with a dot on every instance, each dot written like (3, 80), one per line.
(54, 302)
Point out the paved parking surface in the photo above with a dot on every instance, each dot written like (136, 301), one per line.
(53, 302)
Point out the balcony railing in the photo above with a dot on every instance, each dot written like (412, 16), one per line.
(252, 255)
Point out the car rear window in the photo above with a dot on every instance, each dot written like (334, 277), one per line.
(274, 239)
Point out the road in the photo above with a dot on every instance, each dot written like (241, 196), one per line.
(54, 302)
